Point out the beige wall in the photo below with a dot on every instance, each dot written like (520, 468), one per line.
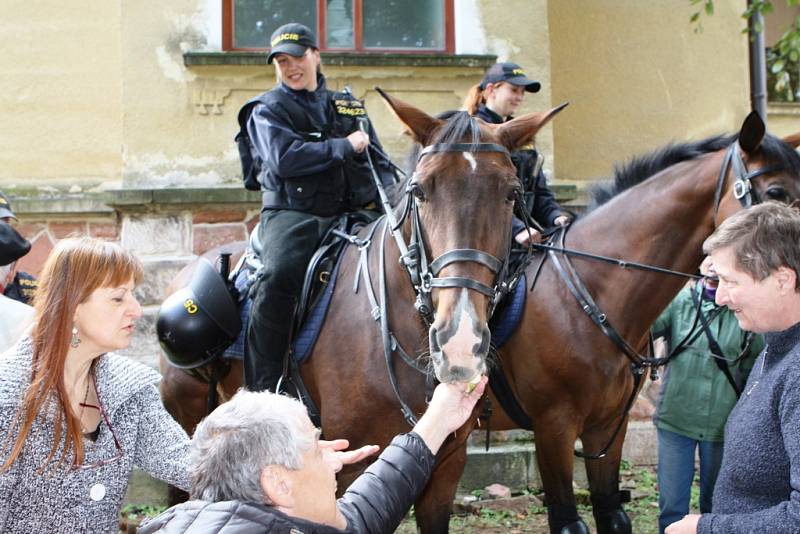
(98, 92)
(60, 104)
(637, 76)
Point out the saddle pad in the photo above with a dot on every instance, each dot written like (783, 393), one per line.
(505, 321)
(309, 332)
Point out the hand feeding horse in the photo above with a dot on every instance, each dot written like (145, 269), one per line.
(570, 379)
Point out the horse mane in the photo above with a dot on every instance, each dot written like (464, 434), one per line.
(640, 168)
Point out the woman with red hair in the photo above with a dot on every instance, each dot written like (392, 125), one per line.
(78, 417)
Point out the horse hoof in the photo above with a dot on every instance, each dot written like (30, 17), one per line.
(614, 522)
(576, 527)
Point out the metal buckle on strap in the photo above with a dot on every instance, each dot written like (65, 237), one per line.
(741, 188)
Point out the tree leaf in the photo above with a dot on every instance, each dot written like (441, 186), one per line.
(710, 7)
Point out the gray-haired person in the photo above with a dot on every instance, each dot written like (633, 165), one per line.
(257, 466)
(757, 258)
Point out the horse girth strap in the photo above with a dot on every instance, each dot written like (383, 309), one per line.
(463, 147)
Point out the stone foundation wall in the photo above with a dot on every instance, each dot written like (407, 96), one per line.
(165, 228)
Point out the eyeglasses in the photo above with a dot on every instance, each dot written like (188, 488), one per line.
(711, 282)
(117, 456)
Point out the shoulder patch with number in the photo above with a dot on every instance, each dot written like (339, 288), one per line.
(351, 108)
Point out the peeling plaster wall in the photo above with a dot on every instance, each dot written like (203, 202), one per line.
(60, 91)
(100, 94)
(524, 38)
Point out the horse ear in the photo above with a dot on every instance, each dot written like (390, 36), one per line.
(792, 140)
(520, 131)
(752, 132)
(418, 124)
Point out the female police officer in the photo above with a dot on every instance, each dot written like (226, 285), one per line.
(312, 170)
(495, 100)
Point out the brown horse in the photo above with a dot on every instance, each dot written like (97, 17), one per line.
(570, 379)
(458, 214)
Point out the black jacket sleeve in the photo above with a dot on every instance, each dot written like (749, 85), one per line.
(285, 152)
(378, 500)
(545, 207)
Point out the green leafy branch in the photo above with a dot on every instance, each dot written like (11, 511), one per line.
(783, 58)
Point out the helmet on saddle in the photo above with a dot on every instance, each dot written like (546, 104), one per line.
(198, 322)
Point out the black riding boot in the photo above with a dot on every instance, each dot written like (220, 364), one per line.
(268, 335)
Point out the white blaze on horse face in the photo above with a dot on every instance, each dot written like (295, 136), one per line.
(460, 348)
(471, 159)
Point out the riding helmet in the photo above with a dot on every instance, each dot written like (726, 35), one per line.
(198, 322)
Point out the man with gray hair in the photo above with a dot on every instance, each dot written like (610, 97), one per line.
(756, 254)
(257, 466)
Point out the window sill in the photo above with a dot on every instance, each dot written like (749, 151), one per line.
(346, 59)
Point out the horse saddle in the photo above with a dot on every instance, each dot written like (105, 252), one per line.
(318, 285)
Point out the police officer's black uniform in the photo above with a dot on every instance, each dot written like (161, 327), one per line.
(539, 199)
(23, 286)
(308, 178)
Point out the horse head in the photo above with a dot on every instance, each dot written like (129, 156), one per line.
(757, 168)
(459, 208)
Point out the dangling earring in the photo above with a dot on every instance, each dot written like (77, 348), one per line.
(75, 340)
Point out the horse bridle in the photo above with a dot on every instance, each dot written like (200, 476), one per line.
(743, 189)
(424, 275)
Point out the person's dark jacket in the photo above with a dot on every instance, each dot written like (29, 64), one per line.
(315, 171)
(375, 502)
(22, 288)
(539, 199)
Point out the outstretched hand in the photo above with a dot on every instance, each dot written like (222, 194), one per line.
(335, 455)
(449, 409)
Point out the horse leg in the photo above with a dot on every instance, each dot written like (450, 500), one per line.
(434, 506)
(554, 435)
(603, 475)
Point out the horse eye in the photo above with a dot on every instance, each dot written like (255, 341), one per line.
(777, 193)
(514, 195)
(417, 191)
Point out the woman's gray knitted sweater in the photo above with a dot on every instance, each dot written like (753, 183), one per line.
(758, 488)
(87, 500)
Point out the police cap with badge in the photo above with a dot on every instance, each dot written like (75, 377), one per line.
(510, 73)
(293, 39)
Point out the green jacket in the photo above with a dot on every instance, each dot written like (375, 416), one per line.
(695, 397)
